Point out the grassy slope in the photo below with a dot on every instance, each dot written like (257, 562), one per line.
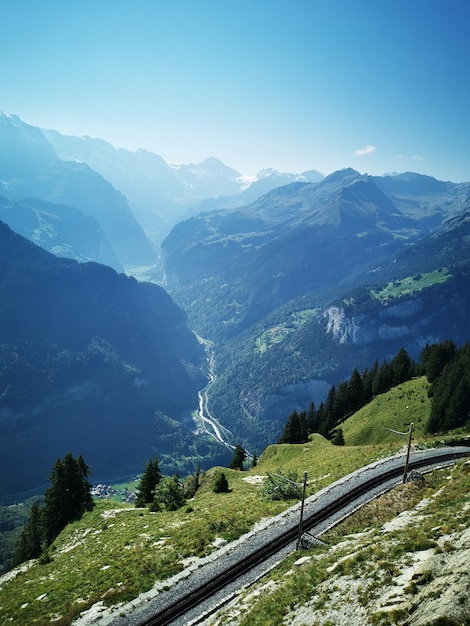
(366, 575)
(116, 552)
(395, 409)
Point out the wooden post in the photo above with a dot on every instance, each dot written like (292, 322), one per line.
(405, 473)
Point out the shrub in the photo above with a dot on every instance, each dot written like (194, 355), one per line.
(169, 495)
(220, 483)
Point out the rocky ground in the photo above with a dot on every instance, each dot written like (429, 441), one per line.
(413, 570)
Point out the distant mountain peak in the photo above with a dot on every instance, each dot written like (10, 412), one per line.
(9, 117)
(344, 176)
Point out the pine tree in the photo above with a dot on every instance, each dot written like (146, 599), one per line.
(322, 426)
(368, 378)
(303, 432)
(356, 392)
(450, 393)
(402, 368)
(434, 357)
(292, 432)
(338, 437)
(68, 497)
(382, 380)
(311, 419)
(239, 455)
(29, 545)
(148, 483)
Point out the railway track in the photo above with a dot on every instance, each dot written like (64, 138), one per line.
(320, 508)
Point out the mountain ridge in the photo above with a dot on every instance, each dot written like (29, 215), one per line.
(161, 193)
(29, 167)
(301, 265)
(91, 362)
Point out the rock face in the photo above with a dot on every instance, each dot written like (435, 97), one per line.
(389, 324)
(447, 596)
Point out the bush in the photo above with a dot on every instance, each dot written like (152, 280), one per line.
(221, 483)
(280, 487)
(169, 495)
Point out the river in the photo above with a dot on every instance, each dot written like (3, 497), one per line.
(205, 421)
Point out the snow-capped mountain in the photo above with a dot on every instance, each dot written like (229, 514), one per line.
(161, 194)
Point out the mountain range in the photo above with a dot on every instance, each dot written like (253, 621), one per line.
(161, 194)
(30, 168)
(313, 280)
(292, 281)
(92, 362)
(136, 197)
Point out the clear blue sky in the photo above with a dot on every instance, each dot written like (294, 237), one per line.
(378, 85)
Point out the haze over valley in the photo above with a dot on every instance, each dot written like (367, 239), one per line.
(272, 297)
(211, 214)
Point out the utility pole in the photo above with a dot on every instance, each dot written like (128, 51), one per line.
(304, 487)
(407, 459)
(405, 473)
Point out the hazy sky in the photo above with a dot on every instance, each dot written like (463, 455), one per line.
(378, 85)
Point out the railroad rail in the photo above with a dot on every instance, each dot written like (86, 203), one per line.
(171, 608)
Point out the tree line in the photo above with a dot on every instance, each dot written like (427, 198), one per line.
(68, 497)
(446, 367)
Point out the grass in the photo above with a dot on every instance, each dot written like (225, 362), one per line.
(276, 334)
(395, 409)
(116, 551)
(325, 582)
(411, 284)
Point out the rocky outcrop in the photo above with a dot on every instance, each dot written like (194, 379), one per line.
(446, 596)
(407, 318)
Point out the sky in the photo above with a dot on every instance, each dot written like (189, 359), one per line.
(378, 85)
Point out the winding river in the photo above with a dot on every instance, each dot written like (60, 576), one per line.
(206, 422)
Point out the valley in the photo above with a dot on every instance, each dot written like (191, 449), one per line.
(234, 281)
(205, 422)
(293, 281)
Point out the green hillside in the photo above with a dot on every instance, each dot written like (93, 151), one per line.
(395, 409)
(125, 551)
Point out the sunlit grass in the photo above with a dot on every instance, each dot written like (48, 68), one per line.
(395, 409)
(411, 284)
(116, 551)
(370, 557)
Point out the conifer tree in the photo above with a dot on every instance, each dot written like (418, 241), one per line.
(338, 437)
(292, 429)
(434, 357)
(382, 380)
(356, 392)
(401, 367)
(221, 483)
(68, 497)
(311, 419)
(29, 545)
(239, 456)
(148, 483)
